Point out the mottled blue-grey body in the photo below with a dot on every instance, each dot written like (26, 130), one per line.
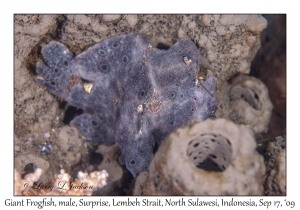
(139, 93)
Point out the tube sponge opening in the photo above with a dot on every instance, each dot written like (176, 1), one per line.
(211, 157)
(210, 152)
(245, 100)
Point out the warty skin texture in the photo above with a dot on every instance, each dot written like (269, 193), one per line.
(139, 93)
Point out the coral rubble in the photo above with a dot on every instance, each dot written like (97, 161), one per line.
(61, 184)
(275, 160)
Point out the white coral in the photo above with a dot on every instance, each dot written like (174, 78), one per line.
(174, 171)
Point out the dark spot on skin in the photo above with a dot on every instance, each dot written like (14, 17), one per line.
(102, 52)
(55, 70)
(213, 156)
(125, 59)
(66, 63)
(52, 83)
(132, 162)
(196, 145)
(213, 140)
(94, 123)
(115, 45)
(104, 68)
